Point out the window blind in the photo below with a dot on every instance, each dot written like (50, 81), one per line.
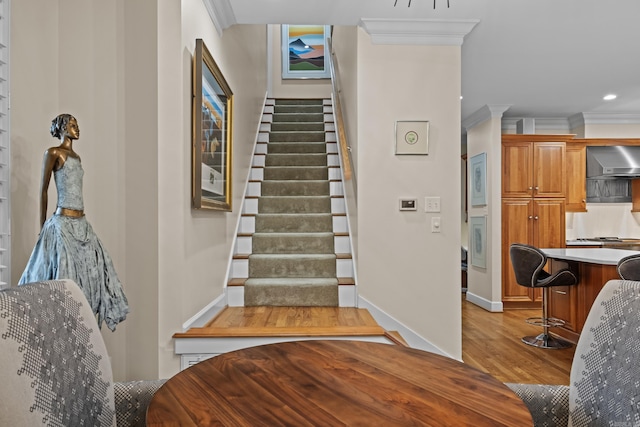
(5, 149)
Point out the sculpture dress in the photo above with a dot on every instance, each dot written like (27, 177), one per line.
(68, 248)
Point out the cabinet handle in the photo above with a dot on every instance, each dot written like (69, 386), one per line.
(530, 217)
(530, 188)
(537, 188)
(535, 217)
(561, 292)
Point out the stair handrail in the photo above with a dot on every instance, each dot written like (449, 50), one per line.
(345, 150)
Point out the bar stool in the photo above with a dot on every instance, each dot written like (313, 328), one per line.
(629, 267)
(528, 263)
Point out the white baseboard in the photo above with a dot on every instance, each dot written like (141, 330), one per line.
(390, 324)
(492, 306)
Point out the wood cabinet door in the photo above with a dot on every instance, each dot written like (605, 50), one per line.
(517, 169)
(576, 177)
(517, 227)
(549, 169)
(549, 223)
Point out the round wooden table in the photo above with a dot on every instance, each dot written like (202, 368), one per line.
(334, 383)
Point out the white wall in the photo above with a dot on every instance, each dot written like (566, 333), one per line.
(484, 284)
(124, 69)
(404, 269)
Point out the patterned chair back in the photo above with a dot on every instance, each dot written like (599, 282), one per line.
(54, 366)
(605, 374)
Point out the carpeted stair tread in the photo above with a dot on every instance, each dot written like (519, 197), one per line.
(305, 109)
(299, 101)
(291, 292)
(294, 223)
(294, 204)
(296, 147)
(292, 265)
(297, 126)
(293, 243)
(298, 117)
(295, 159)
(295, 172)
(299, 136)
(295, 188)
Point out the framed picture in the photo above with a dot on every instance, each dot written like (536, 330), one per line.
(212, 136)
(303, 51)
(412, 137)
(478, 243)
(478, 175)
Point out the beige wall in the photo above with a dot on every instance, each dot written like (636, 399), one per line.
(484, 284)
(404, 269)
(292, 88)
(124, 69)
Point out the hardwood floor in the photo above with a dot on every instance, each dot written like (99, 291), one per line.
(491, 343)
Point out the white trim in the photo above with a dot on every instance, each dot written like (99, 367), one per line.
(5, 146)
(485, 113)
(390, 324)
(587, 118)
(492, 306)
(433, 32)
(221, 14)
(207, 313)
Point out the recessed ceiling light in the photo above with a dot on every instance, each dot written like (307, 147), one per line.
(610, 97)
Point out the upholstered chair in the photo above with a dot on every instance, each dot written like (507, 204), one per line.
(54, 366)
(528, 265)
(604, 384)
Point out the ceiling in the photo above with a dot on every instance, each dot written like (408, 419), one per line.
(545, 59)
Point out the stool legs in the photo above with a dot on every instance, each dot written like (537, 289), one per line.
(544, 340)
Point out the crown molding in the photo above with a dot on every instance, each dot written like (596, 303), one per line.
(509, 124)
(485, 113)
(586, 118)
(221, 14)
(434, 32)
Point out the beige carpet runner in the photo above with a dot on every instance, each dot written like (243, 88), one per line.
(293, 260)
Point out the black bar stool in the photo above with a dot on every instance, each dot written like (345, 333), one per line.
(528, 263)
(629, 267)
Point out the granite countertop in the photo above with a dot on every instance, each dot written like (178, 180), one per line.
(605, 256)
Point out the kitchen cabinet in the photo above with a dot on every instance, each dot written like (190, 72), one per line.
(576, 154)
(533, 169)
(534, 188)
(534, 221)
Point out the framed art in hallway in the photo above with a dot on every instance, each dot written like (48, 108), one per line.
(412, 137)
(303, 51)
(478, 243)
(478, 175)
(212, 136)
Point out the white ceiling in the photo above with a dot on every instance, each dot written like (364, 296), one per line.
(544, 58)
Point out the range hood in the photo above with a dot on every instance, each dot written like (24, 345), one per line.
(615, 161)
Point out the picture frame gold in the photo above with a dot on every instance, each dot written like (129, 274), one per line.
(212, 136)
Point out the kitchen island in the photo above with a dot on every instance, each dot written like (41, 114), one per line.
(594, 267)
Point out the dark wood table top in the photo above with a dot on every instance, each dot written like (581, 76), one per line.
(333, 383)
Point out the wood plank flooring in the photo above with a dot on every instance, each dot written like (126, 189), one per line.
(491, 343)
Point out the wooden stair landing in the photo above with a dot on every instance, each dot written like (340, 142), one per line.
(291, 322)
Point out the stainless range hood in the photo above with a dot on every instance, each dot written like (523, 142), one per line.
(616, 161)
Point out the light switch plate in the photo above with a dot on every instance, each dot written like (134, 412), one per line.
(432, 204)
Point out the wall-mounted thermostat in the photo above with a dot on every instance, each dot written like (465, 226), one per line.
(408, 204)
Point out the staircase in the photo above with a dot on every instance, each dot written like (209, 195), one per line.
(293, 244)
(292, 275)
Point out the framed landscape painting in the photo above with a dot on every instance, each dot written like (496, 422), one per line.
(212, 142)
(303, 51)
